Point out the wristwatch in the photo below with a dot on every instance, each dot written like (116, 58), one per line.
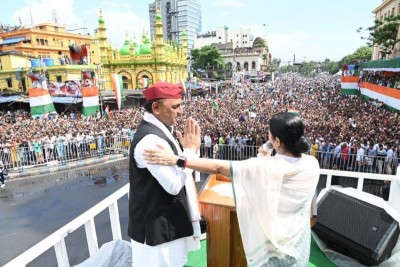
(181, 162)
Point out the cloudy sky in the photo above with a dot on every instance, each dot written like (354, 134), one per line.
(309, 29)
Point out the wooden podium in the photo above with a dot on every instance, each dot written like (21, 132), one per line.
(224, 244)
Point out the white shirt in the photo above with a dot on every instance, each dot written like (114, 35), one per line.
(172, 179)
(207, 140)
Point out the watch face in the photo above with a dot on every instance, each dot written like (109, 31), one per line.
(180, 162)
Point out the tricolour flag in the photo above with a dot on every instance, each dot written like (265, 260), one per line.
(389, 96)
(90, 100)
(39, 98)
(183, 86)
(349, 85)
(107, 113)
(215, 105)
(118, 89)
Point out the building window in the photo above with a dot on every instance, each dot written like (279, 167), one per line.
(42, 41)
(59, 78)
(56, 29)
(253, 65)
(9, 82)
(246, 66)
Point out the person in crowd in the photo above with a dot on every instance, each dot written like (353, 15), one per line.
(163, 208)
(2, 174)
(273, 194)
(207, 145)
(381, 156)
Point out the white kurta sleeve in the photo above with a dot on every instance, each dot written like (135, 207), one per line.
(171, 178)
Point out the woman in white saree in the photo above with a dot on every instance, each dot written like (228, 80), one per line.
(273, 194)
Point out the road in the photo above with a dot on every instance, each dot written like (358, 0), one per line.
(33, 208)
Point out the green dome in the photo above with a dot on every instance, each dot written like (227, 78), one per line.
(158, 16)
(124, 51)
(101, 20)
(145, 48)
(136, 48)
(183, 33)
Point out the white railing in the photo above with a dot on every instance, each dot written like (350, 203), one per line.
(57, 239)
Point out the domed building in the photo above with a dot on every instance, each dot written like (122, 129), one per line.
(140, 65)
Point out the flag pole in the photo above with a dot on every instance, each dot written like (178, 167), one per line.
(99, 85)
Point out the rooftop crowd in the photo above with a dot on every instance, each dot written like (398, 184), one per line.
(332, 120)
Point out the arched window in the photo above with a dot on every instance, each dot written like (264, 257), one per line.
(238, 66)
(125, 82)
(253, 65)
(229, 66)
(246, 66)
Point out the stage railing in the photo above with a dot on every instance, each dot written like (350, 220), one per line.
(57, 239)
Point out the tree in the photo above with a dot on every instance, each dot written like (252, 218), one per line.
(361, 55)
(259, 42)
(207, 57)
(384, 33)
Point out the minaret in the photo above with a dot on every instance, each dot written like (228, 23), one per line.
(102, 39)
(160, 48)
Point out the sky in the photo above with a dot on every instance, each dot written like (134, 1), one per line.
(303, 30)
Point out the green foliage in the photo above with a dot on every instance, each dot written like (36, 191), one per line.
(384, 33)
(362, 54)
(207, 57)
(308, 68)
(259, 42)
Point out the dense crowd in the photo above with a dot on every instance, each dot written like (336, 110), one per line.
(240, 118)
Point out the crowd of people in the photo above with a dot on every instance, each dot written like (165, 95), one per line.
(336, 124)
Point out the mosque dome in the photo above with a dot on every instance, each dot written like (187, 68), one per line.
(158, 16)
(136, 48)
(145, 48)
(125, 49)
(101, 20)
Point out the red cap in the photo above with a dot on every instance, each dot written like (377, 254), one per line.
(162, 90)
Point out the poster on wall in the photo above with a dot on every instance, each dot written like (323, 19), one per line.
(67, 88)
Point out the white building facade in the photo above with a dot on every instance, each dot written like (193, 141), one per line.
(239, 37)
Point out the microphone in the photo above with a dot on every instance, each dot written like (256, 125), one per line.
(268, 145)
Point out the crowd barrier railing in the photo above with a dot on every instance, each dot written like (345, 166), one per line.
(61, 152)
(19, 158)
(326, 160)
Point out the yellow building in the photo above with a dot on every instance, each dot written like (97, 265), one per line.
(19, 47)
(140, 64)
(143, 64)
(386, 9)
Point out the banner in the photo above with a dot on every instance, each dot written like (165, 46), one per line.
(67, 88)
(90, 100)
(389, 96)
(39, 98)
(349, 85)
(117, 86)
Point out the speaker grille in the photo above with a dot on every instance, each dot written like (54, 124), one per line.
(359, 221)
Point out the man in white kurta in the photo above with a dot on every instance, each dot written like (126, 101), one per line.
(172, 179)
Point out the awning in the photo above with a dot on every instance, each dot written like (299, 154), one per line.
(7, 99)
(12, 40)
(66, 99)
(56, 99)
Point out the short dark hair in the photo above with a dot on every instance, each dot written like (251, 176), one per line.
(148, 105)
(289, 128)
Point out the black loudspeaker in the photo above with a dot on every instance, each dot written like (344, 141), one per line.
(356, 228)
